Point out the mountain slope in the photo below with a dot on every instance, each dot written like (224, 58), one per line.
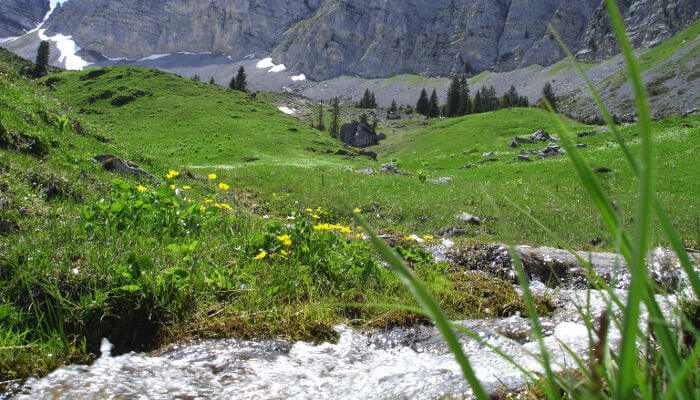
(19, 16)
(374, 38)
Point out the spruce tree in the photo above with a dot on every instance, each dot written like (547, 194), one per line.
(434, 105)
(465, 101)
(453, 98)
(394, 108)
(335, 116)
(492, 99)
(423, 104)
(212, 81)
(42, 60)
(477, 106)
(241, 80)
(321, 125)
(548, 94)
(372, 101)
(232, 84)
(513, 97)
(196, 78)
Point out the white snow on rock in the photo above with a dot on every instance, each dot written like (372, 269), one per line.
(154, 57)
(277, 68)
(300, 77)
(265, 63)
(286, 110)
(68, 49)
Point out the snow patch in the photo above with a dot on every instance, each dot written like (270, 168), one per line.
(154, 57)
(114, 59)
(287, 110)
(265, 63)
(68, 49)
(300, 77)
(277, 68)
(249, 57)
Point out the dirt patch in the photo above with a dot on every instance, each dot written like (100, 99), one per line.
(23, 143)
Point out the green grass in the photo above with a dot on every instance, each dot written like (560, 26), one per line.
(662, 52)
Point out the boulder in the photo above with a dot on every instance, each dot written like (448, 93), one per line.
(467, 166)
(581, 145)
(540, 136)
(367, 171)
(523, 158)
(489, 154)
(443, 179)
(369, 154)
(389, 167)
(112, 163)
(452, 232)
(381, 136)
(358, 135)
(470, 219)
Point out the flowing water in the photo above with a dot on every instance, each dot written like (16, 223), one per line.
(406, 363)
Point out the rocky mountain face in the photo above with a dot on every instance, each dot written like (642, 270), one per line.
(367, 38)
(19, 16)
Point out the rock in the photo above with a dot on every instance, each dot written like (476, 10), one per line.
(489, 154)
(467, 166)
(381, 136)
(452, 232)
(369, 154)
(581, 145)
(555, 138)
(8, 226)
(444, 179)
(518, 140)
(112, 163)
(367, 171)
(523, 158)
(468, 218)
(20, 16)
(122, 100)
(348, 169)
(550, 151)
(603, 170)
(358, 135)
(540, 136)
(389, 167)
(592, 133)
(513, 143)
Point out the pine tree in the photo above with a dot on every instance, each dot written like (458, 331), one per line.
(42, 60)
(477, 106)
(321, 125)
(465, 102)
(423, 104)
(492, 99)
(232, 84)
(434, 105)
(241, 80)
(372, 101)
(548, 94)
(196, 78)
(212, 81)
(394, 108)
(335, 116)
(513, 96)
(453, 95)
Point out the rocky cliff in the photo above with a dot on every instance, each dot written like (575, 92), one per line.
(368, 38)
(19, 16)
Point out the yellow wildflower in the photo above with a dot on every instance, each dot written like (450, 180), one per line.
(408, 238)
(260, 256)
(172, 187)
(190, 200)
(315, 216)
(217, 205)
(186, 187)
(309, 210)
(226, 206)
(223, 186)
(211, 176)
(359, 236)
(202, 208)
(272, 256)
(208, 201)
(286, 240)
(428, 237)
(141, 188)
(171, 174)
(357, 210)
(285, 253)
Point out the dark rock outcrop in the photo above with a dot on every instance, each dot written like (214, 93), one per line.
(19, 16)
(358, 135)
(110, 162)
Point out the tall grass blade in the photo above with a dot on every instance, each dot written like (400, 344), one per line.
(428, 303)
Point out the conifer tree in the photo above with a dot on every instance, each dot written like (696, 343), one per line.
(453, 99)
(241, 83)
(423, 104)
(465, 102)
(394, 108)
(335, 117)
(212, 81)
(232, 84)
(42, 59)
(321, 125)
(434, 105)
(477, 106)
(548, 94)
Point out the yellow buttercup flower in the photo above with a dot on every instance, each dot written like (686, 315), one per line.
(357, 210)
(408, 238)
(208, 201)
(316, 216)
(172, 187)
(171, 174)
(223, 186)
(260, 256)
(190, 200)
(309, 210)
(428, 237)
(285, 253)
(186, 187)
(211, 176)
(141, 188)
(202, 208)
(286, 240)
(272, 256)
(226, 206)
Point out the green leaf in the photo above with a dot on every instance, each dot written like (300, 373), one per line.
(130, 288)
(118, 206)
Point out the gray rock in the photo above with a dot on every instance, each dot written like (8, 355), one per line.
(468, 166)
(540, 136)
(110, 162)
(381, 136)
(581, 145)
(444, 179)
(514, 143)
(523, 158)
(470, 219)
(452, 232)
(19, 16)
(367, 171)
(489, 154)
(389, 167)
(358, 135)
(348, 169)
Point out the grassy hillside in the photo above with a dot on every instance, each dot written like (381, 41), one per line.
(87, 254)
